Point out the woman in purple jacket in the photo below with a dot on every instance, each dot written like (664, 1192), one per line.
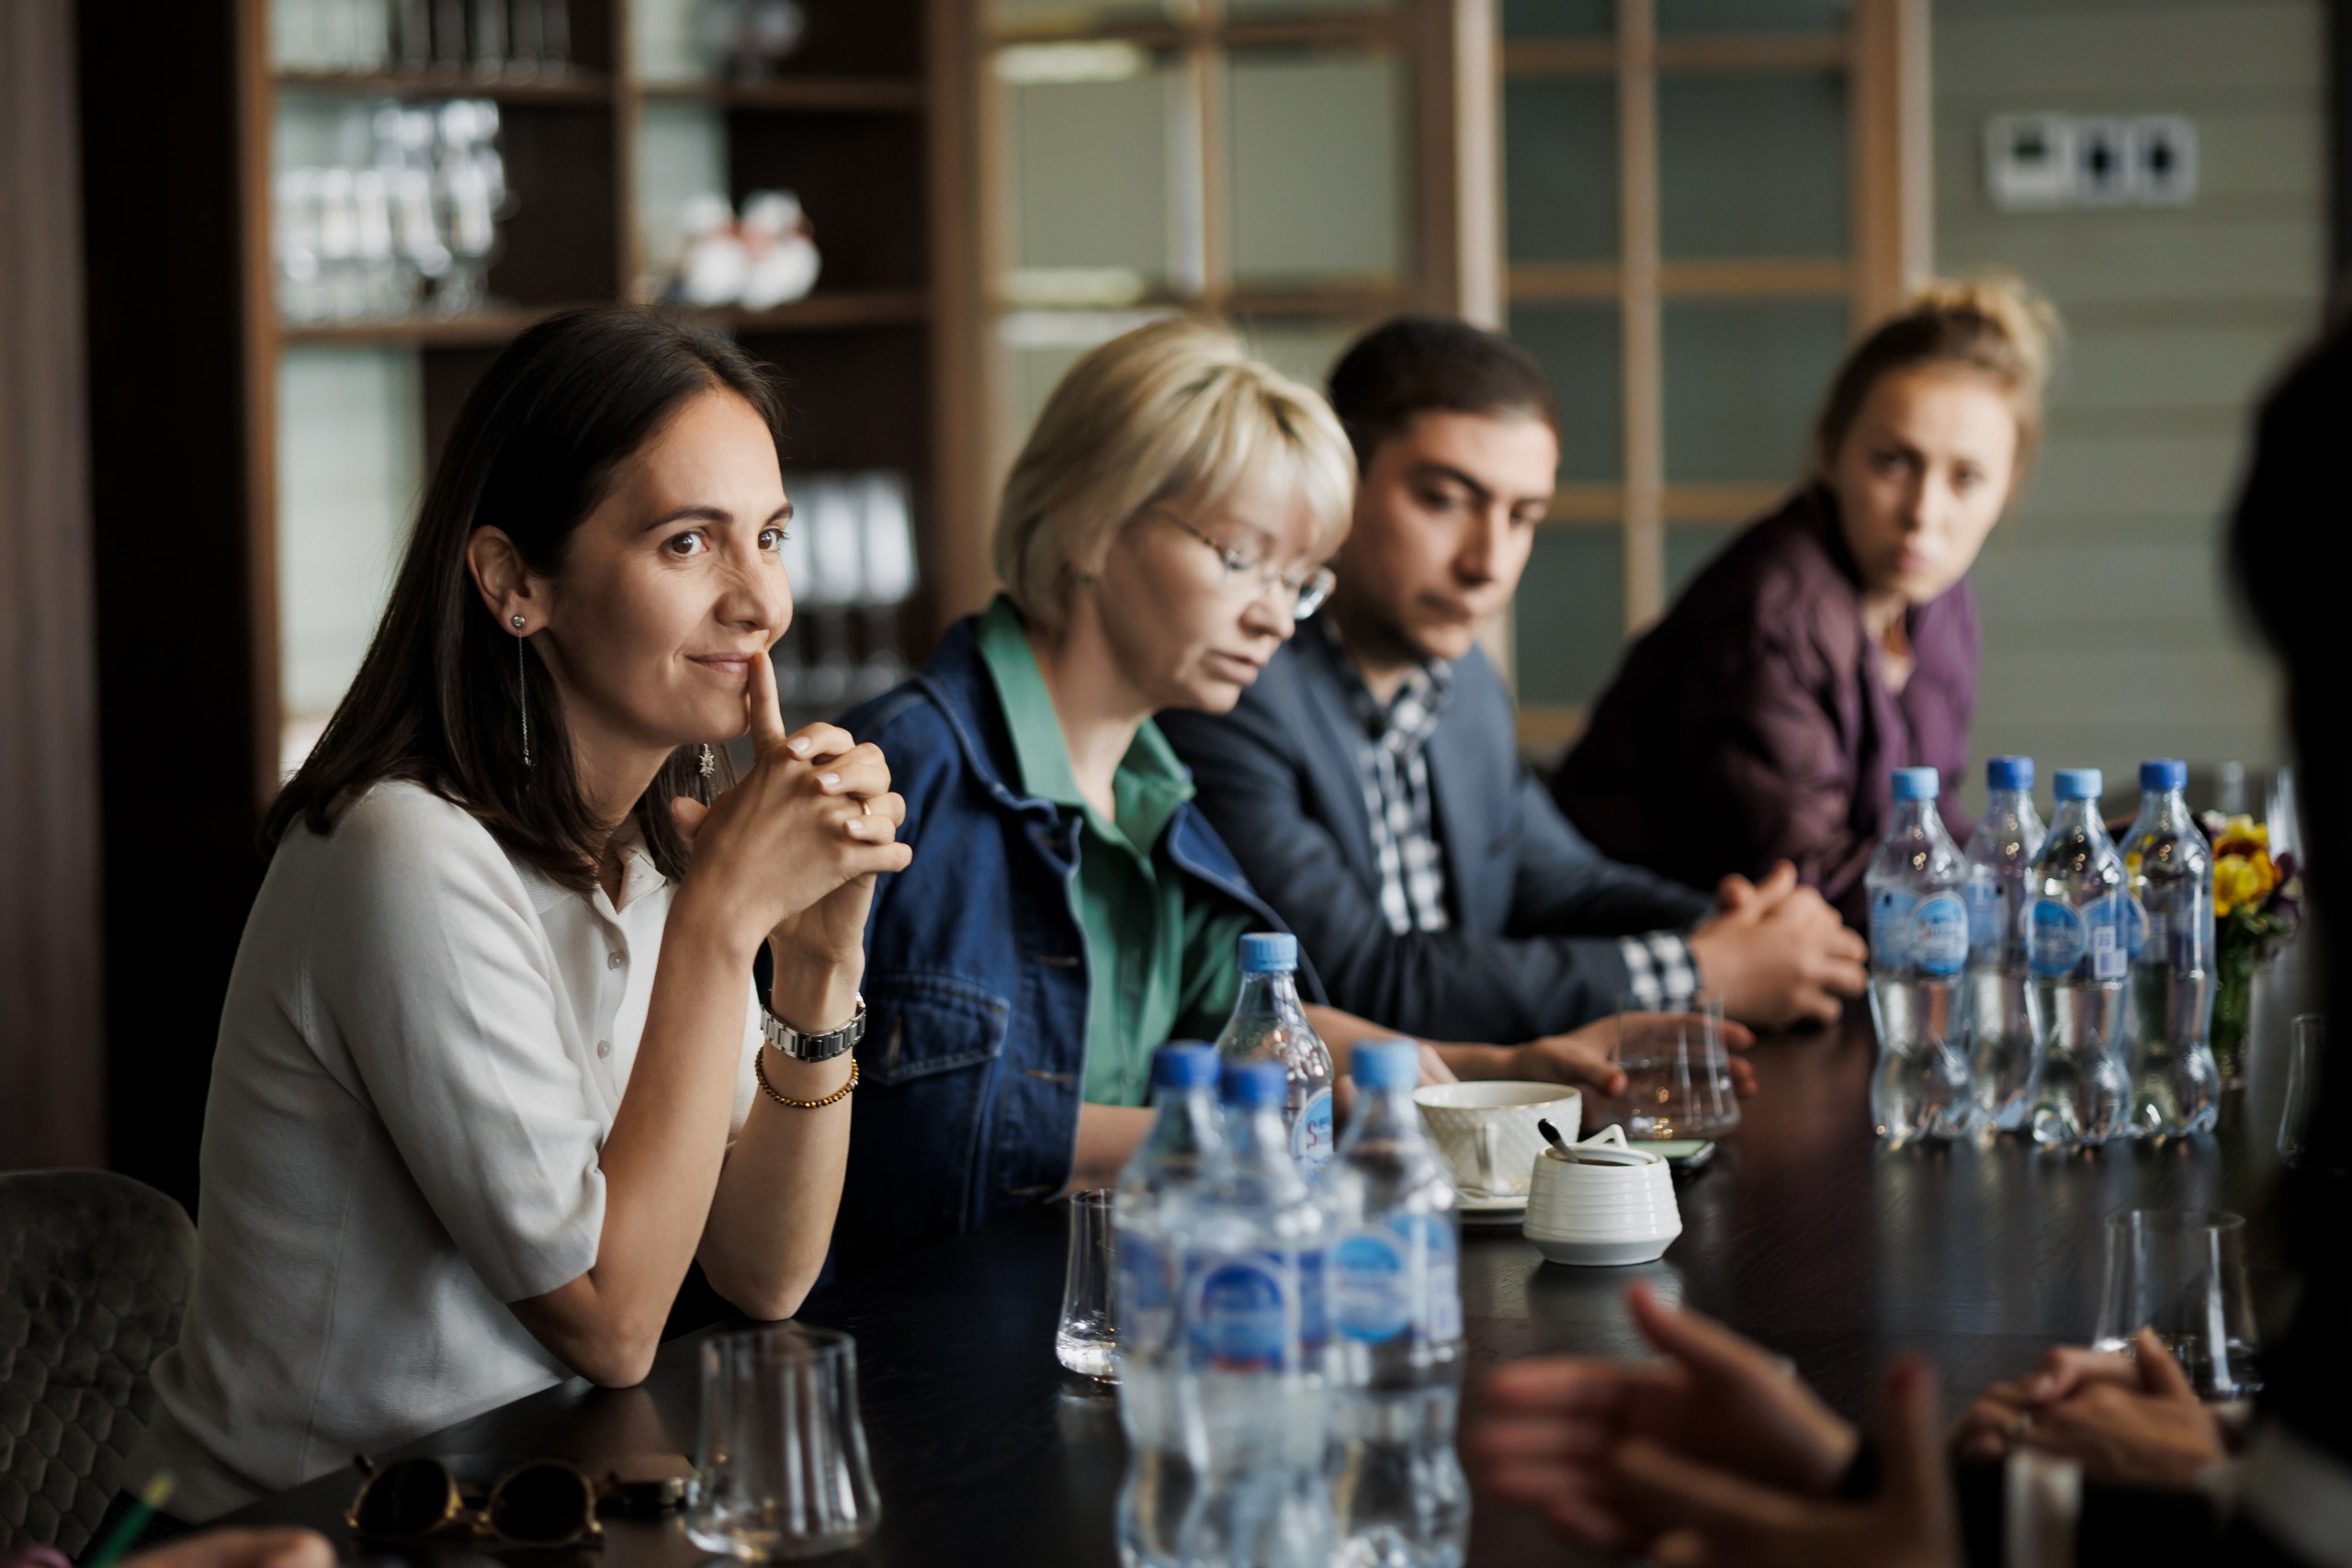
(1835, 639)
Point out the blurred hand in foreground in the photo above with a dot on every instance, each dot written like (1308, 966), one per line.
(1554, 1429)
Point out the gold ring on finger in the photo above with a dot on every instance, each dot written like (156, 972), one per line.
(865, 807)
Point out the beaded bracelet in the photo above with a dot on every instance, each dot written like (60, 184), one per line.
(759, 1071)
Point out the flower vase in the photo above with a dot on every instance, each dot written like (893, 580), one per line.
(2232, 1011)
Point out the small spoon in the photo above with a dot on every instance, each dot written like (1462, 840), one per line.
(1552, 1136)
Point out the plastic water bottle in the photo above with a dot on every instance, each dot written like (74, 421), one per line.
(1395, 1292)
(1918, 948)
(1268, 1024)
(2080, 1092)
(1254, 1292)
(1160, 1404)
(2001, 854)
(2168, 931)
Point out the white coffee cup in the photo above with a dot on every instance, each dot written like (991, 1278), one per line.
(1602, 1203)
(1486, 1130)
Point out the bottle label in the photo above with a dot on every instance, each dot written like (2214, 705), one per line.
(1890, 923)
(2053, 938)
(1988, 917)
(1372, 1294)
(1310, 1135)
(2108, 923)
(1314, 1302)
(2136, 924)
(1147, 1295)
(1402, 1276)
(1939, 939)
(1242, 1317)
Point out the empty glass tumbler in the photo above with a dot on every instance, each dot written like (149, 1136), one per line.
(2182, 1273)
(1087, 1339)
(1678, 1080)
(2302, 1087)
(783, 1471)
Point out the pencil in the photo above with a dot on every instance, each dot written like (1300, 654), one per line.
(150, 1499)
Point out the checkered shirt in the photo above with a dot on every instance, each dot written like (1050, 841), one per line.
(1394, 764)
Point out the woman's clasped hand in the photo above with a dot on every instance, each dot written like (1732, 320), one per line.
(2128, 1418)
(793, 848)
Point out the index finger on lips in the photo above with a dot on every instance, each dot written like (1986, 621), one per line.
(763, 707)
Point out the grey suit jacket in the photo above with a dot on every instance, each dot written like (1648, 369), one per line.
(1536, 909)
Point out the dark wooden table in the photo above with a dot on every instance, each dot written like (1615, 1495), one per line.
(1803, 1232)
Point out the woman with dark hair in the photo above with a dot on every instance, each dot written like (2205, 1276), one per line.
(490, 1070)
(1834, 640)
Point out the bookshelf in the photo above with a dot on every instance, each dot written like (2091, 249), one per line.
(863, 121)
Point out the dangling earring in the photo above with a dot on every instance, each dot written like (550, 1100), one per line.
(521, 691)
(709, 760)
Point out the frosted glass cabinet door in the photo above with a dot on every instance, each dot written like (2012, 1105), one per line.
(1752, 165)
(1569, 617)
(350, 469)
(1743, 381)
(1318, 168)
(1097, 170)
(1581, 348)
(1560, 169)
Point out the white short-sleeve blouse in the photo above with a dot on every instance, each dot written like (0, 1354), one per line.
(423, 1046)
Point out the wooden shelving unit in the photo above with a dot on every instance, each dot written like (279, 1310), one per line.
(858, 122)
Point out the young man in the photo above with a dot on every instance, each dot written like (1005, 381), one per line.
(1371, 781)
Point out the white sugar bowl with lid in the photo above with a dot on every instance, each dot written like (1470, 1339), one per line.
(1601, 1203)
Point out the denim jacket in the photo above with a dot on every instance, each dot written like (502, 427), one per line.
(975, 972)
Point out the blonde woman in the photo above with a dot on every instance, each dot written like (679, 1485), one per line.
(1835, 639)
(1161, 535)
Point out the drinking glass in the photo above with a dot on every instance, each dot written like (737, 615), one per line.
(2182, 1273)
(783, 1471)
(2303, 1085)
(1087, 1337)
(1678, 1080)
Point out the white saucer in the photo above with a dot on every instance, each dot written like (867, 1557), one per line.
(1502, 1209)
(1603, 1254)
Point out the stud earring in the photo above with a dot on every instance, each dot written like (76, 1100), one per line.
(709, 760)
(516, 621)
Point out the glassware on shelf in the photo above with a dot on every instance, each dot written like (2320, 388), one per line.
(850, 557)
(408, 218)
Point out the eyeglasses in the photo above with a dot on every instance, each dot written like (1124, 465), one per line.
(1308, 587)
(544, 1503)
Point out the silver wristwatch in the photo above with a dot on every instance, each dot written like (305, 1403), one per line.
(811, 1047)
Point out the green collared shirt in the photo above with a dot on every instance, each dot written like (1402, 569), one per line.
(1159, 955)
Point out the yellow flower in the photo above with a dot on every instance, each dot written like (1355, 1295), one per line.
(2240, 879)
(2242, 836)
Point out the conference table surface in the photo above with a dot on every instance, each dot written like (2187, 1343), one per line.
(1803, 1232)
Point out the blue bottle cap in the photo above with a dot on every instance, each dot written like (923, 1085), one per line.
(1269, 953)
(1184, 1065)
(1916, 784)
(1253, 1085)
(2079, 783)
(1385, 1063)
(2167, 772)
(2009, 773)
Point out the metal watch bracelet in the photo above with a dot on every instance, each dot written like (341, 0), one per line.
(801, 1047)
